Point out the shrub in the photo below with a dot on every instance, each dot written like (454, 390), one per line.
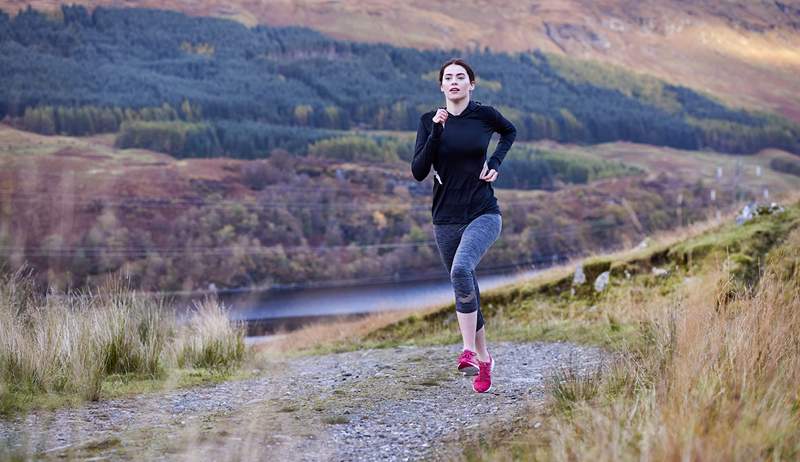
(351, 148)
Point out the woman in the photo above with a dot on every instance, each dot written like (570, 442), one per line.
(466, 219)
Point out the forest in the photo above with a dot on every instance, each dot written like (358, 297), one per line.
(200, 87)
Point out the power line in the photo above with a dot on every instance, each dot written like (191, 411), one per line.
(156, 203)
(262, 206)
(354, 282)
(569, 231)
(282, 187)
(43, 251)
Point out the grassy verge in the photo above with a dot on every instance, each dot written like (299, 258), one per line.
(62, 350)
(712, 372)
(543, 308)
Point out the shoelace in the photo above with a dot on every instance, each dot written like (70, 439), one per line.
(466, 356)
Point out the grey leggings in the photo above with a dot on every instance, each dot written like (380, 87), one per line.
(461, 247)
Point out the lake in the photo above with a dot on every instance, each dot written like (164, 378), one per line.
(266, 312)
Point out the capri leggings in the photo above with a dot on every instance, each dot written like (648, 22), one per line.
(461, 247)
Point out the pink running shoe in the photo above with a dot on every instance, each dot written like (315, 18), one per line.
(483, 382)
(468, 362)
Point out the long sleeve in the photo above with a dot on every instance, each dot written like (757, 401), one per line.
(425, 148)
(507, 133)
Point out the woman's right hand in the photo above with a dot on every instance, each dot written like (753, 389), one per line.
(440, 116)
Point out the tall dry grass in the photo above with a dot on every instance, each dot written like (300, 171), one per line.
(716, 380)
(70, 344)
(210, 339)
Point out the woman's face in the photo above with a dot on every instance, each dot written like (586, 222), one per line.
(455, 83)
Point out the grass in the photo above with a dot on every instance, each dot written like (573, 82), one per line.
(712, 375)
(62, 350)
(569, 386)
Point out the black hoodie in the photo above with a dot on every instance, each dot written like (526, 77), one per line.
(457, 152)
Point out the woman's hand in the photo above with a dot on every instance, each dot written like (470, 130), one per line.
(440, 116)
(489, 175)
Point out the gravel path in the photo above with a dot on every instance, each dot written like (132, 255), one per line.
(402, 403)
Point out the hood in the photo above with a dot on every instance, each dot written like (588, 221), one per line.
(471, 107)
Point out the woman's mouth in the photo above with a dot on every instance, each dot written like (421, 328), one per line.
(454, 90)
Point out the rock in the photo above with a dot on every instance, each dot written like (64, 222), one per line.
(755, 209)
(660, 272)
(602, 281)
(579, 277)
(746, 214)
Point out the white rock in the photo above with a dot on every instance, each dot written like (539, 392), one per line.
(746, 214)
(579, 277)
(660, 272)
(602, 281)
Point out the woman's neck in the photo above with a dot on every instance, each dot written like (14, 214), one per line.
(457, 107)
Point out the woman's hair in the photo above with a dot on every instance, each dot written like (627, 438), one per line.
(461, 63)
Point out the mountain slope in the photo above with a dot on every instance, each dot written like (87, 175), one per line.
(219, 70)
(744, 51)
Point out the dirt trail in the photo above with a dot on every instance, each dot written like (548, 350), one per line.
(402, 403)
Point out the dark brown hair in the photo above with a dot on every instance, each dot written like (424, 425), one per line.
(461, 63)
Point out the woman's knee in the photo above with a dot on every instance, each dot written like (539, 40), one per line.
(460, 271)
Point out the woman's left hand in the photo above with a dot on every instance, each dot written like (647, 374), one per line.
(488, 175)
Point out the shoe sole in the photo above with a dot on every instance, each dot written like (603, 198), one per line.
(469, 370)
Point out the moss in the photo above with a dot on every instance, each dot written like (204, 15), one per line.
(623, 269)
(595, 267)
(743, 247)
(557, 287)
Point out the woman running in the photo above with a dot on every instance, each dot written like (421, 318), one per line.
(466, 219)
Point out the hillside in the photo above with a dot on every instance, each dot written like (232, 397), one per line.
(745, 52)
(204, 87)
(78, 208)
